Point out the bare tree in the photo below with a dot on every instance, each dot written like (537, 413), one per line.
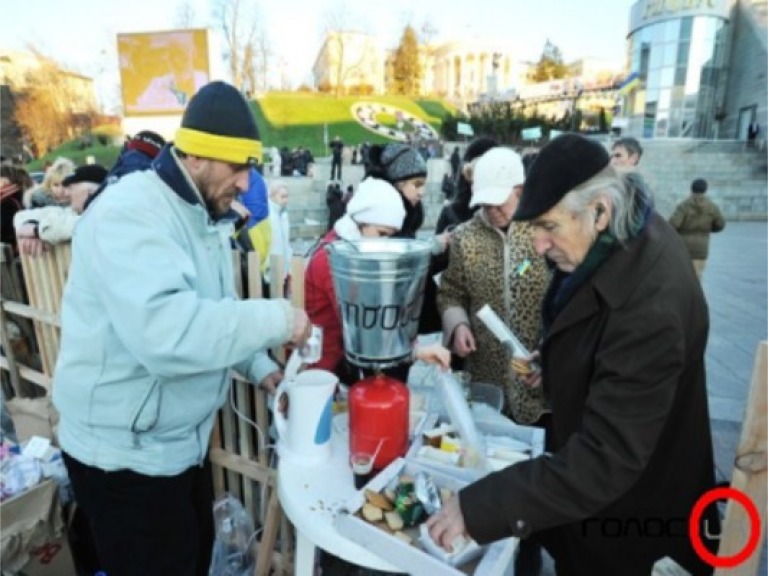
(246, 43)
(49, 108)
(185, 15)
(339, 31)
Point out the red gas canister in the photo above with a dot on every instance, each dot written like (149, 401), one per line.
(378, 412)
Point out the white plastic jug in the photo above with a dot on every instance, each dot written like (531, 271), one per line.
(305, 433)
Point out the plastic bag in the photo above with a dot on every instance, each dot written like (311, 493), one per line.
(233, 551)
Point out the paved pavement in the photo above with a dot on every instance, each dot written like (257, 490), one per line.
(736, 287)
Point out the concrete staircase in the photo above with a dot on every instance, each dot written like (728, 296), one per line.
(737, 177)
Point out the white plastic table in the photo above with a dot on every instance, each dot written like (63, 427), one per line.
(311, 496)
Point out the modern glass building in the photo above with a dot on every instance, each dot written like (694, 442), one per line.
(679, 50)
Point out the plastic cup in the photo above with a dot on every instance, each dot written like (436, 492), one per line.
(362, 468)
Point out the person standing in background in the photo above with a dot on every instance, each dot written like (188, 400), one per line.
(281, 230)
(276, 161)
(336, 205)
(753, 130)
(337, 147)
(694, 219)
(626, 152)
(455, 163)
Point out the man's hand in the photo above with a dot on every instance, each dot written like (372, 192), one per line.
(271, 381)
(463, 340)
(30, 246)
(532, 379)
(447, 525)
(434, 354)
(302, 328)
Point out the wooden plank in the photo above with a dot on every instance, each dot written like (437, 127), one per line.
(229, 443)
(26, 311)
(276, 275)
(238, 272)
(29, 268)
(7, 351)
(262, 419)
(247, 468)
(245, 434)
(30, 374)
(750, 474)
(298, 265)
(254, 275)
(269, 535)
(219, 486)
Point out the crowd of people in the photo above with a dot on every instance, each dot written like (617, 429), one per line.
(564, 243)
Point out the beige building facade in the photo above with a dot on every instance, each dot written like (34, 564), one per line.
(352, 60)
(466, 70)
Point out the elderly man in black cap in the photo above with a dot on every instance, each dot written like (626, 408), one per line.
(151, 328)
(622, 363)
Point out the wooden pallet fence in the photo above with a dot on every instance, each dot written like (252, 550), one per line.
(239, 453)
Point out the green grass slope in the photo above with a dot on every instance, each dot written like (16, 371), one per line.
(105, 154)
(292, 119)
(298, 118)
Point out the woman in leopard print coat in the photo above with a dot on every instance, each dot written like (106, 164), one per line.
(492, 261)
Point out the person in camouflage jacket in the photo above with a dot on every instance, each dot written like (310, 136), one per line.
(694, 219)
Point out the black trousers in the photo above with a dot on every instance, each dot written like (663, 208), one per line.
(335, 168)
(147, 525)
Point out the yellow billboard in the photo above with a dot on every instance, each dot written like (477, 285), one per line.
(160, 71)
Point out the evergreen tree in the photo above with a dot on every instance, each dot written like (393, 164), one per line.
(550, 66)
(406, 68)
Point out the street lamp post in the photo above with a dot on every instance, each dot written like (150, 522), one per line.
(574, 105)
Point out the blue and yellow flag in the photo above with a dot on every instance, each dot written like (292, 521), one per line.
(629, 84)
(259, 229)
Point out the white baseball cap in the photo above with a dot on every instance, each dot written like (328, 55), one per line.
(496, 174)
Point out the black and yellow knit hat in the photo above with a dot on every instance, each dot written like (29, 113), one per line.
(218, 124)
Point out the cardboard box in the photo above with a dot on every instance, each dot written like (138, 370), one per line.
(495, 560)
(33, 417)
(53, 558)
(32, 533)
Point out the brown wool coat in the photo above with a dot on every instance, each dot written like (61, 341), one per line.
(623, 368)
(482, 270)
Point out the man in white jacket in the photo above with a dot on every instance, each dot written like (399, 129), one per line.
(151, 331)
(54, 224)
